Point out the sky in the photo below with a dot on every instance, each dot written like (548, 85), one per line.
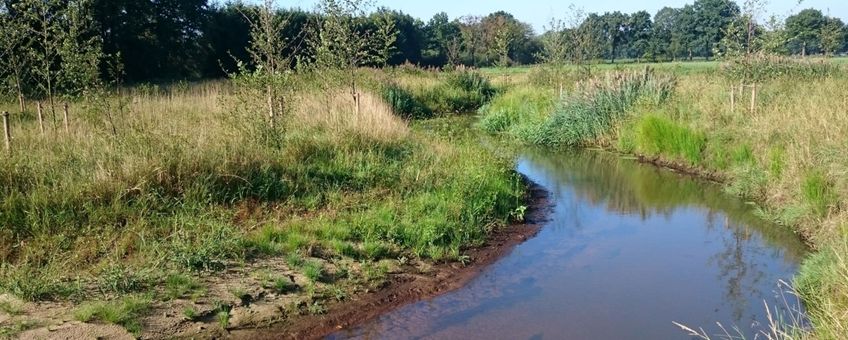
(539, 12)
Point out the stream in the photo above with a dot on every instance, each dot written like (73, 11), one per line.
(627, 250)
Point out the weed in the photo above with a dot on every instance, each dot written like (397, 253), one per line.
(316, 308)
(119, 280)
(11, 307)
(178, 286)
(294, 260)
(223, 318)
(190, 313)
(659, 136)
(314, 271)
(818, 193)
(125, 312)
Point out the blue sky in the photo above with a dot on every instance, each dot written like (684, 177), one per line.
(539, 12)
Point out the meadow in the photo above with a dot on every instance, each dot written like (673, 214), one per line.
(150, 207)
(785, 150)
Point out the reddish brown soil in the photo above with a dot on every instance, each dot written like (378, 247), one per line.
(408, 287)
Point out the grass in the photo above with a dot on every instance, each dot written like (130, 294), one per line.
(194, 181)
(656, 135)
(178, 286)
(125, 312)
(584, 115)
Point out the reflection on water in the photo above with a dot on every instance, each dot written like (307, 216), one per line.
(628, 249)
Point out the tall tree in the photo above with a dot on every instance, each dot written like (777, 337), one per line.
(615, 28)
(804, 29)
(712, 19)
(832, 36)
(639, 34)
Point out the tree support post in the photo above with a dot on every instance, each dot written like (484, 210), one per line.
(65, 118)
(7, 133)
(40, 110)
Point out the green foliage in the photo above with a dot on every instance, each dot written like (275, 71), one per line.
(404, 103)
(314, 271)
(762, 67)
(34, 284)
(587, 115)
(178, 286)
(125, 312)
(515, 107)
(118, 279)
(818, 193)
(657, 135)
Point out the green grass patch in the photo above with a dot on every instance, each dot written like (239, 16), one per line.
(125, 312)
(818, 193)
(656, 135)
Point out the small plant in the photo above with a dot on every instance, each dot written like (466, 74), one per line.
(818, 193)
(11, 307)
(294, 260)
(125, 312)
(223, 318)
(338, 293)
(178, 286)
(316, 308)
(190, 313)
(313, 270)
(119, 280)
(222, 314)
(283, 285)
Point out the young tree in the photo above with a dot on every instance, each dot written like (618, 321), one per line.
(585, 33)
(15, 43)
(555, 49)
(266, 51)
(343, 42)
(46, 27)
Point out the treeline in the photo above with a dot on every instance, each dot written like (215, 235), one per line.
(189, 39)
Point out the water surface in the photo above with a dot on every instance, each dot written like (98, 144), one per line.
(627, 250)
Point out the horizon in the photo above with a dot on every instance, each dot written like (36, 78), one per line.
(538, 13)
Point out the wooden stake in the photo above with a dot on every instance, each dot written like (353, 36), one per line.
(8, 132)
(271, 106)
(65, 119)
(753, 98)
(40, 116)
(733, 99)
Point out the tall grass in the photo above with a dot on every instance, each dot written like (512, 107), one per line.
(184, 186)
(592, 109)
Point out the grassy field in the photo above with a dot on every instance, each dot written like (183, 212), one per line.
(123, 214)
(788, 152)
